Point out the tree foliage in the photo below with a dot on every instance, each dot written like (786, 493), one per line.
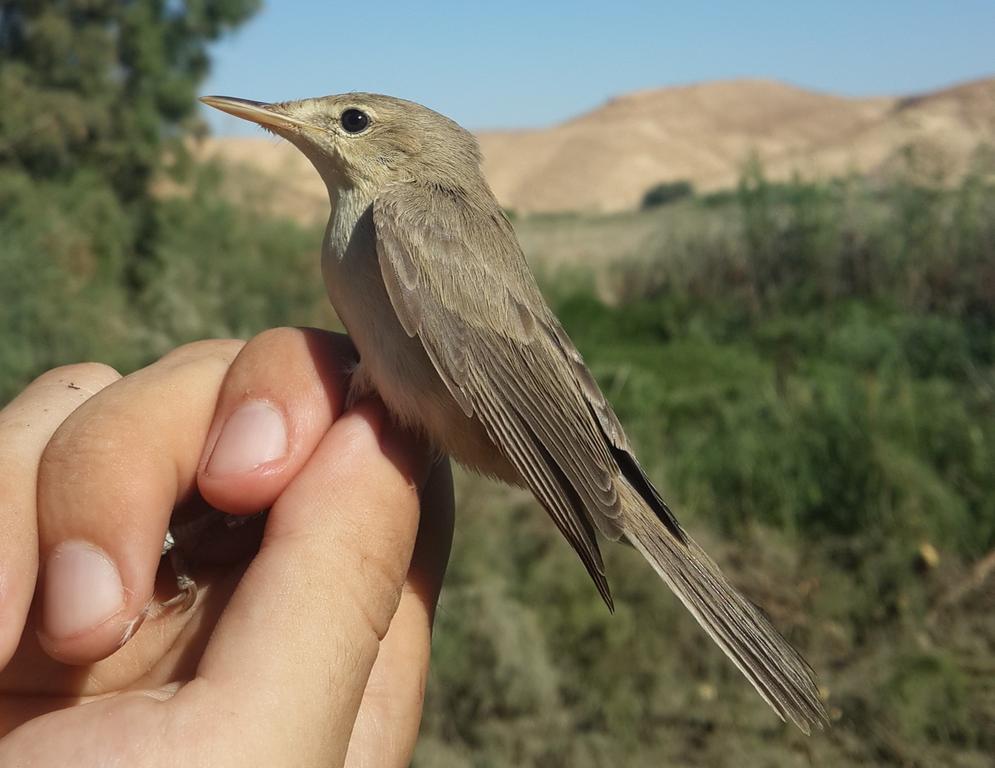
(102, 84)
(95, 95)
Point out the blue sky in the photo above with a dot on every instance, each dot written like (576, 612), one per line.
(521, 64)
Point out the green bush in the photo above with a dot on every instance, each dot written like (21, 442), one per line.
(69, 291)
(667, 192)
(63, 251)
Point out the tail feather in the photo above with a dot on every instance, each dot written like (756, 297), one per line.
(780, 675)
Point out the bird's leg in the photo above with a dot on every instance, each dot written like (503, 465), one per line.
(181, 537)
(187, 596)
(184, 542)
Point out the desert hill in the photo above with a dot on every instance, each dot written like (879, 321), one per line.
(606, 159)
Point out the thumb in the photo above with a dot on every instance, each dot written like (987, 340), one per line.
(302, 630)
(278, 399)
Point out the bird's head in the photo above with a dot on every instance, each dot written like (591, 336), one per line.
(367, 140)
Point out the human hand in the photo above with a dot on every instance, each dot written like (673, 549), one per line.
(314, 653)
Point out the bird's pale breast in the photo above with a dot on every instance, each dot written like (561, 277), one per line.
(393, 364)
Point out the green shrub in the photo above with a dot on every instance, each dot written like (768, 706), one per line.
(667, 192)
(68, 292)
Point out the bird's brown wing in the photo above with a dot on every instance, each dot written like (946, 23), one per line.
(459, 282)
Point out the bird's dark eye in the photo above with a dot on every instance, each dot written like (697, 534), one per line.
(354, 120)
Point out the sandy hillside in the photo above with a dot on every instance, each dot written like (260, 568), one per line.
(605, 160)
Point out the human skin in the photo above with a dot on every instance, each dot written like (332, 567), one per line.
(314, 651)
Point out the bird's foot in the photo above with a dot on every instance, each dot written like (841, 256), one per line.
(185, 599)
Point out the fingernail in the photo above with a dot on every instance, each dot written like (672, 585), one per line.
(253, 435)
(82, 589)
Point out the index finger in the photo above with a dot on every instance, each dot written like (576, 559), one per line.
(26, 425)
(107, 484)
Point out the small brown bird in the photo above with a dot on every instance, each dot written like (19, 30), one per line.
(426, 273)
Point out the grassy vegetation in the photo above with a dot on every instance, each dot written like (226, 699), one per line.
(806, 369)
(74, 289)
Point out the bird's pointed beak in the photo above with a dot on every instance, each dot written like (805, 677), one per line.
(266, 115)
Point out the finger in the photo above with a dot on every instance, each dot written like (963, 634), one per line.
(107, 483)
(26, 425)
(390, 714)
(279, 398)
(302, 631)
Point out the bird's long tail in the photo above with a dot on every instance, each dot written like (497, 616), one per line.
(777, 671)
